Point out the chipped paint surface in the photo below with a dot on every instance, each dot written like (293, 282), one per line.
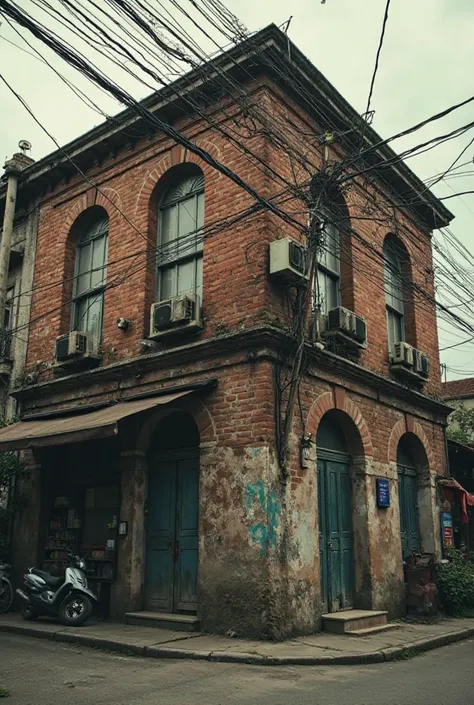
(258, 500)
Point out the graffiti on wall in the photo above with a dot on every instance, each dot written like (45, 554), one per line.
(266, 505)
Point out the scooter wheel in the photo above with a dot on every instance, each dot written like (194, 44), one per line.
(29, 613)
(75, 609)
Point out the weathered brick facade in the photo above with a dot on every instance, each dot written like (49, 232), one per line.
(259, 561)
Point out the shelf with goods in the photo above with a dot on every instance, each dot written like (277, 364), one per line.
(62, 536)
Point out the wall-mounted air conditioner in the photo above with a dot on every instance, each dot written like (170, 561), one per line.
(75, 346)
(345, 327)
(408, 362)
(288, 260)
(402, 354)
(180, 314)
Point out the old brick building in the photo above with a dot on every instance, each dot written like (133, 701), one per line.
(160, 455)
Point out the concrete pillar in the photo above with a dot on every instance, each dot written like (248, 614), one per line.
(13, 168)
(127, 592)
(362, 518)
(428, 512)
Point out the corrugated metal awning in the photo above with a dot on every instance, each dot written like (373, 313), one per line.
(82, 427)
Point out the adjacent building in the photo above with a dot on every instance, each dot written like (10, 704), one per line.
(162, 344)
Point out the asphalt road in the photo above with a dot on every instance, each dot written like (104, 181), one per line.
(37, 672)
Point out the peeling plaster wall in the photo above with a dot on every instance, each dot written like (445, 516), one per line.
(239, 536)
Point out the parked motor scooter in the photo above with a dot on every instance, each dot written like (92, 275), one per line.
(68, 597)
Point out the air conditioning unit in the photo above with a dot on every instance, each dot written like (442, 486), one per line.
(74, 346)
(409, 363)
(180, 314)
(421, 363)
(402, 354)
(288, 260)
(345, 326)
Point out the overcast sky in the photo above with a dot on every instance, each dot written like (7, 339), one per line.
(426, 65)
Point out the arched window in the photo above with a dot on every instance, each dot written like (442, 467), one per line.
(328, 290)
(90, 275)
(394, 258)
(180, 236)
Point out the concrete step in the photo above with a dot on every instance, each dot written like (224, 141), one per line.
(370, 631)
(353, 620)
(164, 620)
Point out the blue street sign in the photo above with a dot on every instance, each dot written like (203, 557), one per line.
(383, 492)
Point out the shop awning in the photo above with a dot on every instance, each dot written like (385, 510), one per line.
(81, 427)
(465, 498)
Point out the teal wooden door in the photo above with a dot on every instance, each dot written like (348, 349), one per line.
(172, 533)
(408, 502)
(335, 531)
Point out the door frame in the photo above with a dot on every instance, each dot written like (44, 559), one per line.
(153, 465)
(344, 459)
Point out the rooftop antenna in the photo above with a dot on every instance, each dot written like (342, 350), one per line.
(25, 146)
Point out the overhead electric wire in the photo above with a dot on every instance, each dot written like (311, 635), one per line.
(278, 214)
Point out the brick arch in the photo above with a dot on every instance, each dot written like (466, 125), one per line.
(176, 156)
(328, 402)
(402, 427)
(110, 201)
(194, 407)
(78, 207)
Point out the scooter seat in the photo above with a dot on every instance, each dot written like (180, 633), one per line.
(50, 580)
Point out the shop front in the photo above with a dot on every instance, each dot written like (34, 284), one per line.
(131, 512)
(82, 507)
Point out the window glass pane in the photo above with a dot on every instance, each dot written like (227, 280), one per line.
(88, 315)
(331, 249)
(395, 327)
(98, 262)
(199, 278)
(83, 279)
(200, 219)
(94, 319)
(80, 314)
(328, 291)
(393, 280)
(186, 276)
(167, 283)
(186, 225)
(168, 227)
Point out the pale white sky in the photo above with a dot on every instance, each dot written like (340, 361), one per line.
(426, 65)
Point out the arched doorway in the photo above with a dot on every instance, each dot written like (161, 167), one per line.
(172, 523)
(408, 496)
(336, 540)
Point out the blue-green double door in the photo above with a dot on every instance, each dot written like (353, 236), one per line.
(172, 533)
(336, 545)
(408, 502)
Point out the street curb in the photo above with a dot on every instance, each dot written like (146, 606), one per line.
(163, 652)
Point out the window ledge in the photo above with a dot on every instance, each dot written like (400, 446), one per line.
(74, 364)
(403, 372)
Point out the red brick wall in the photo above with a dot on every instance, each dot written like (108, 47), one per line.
(237, 289)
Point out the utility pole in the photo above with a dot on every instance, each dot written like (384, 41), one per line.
(13, 168)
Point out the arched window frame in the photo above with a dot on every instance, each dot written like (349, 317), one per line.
(180, 236)
(394, 291)
(90, 277)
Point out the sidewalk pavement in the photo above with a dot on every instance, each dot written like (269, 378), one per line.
(318, 649)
